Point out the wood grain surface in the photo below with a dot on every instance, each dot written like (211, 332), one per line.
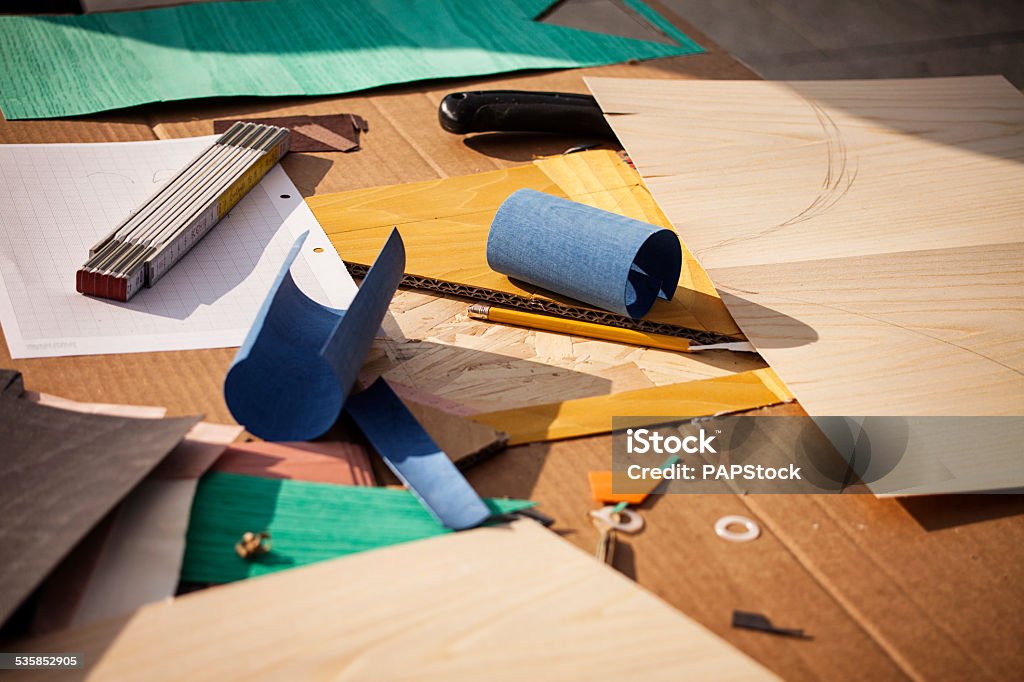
(868, 237)
(515, 601)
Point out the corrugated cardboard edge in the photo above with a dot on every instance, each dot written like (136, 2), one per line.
(548, 307)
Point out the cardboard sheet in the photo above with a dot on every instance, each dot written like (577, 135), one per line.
(445, 223)
(62, 471)
(511, 603)
(867, 237)
(57, 200)
(289, 47)
(308, 522)
(588, 416)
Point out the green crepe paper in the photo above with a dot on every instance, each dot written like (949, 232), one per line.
(308, 522)
(68, 65)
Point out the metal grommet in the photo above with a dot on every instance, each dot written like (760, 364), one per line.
(752, 532)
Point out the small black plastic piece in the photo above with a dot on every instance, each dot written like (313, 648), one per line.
(757, 621)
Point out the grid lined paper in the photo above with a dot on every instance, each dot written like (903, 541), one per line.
(57, 200)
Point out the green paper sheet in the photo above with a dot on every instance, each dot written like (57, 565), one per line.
(308, 522)
(69, 65)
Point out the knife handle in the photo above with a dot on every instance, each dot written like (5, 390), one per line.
(522, 111)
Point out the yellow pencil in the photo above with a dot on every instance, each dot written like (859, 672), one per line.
(577, 328)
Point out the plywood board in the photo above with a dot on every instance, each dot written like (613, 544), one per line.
(432, 347)
(868, 236)
(445, 222)
(503, 603)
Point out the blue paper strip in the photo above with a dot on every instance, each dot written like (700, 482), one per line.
(414, 457)
(290, 378)
(600, 258)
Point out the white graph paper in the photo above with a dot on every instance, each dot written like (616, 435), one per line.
(57, 200)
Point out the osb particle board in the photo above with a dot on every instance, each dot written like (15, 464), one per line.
(445, 224)
(433, 346)
(465, 441)
(509, 602)
(866, 235)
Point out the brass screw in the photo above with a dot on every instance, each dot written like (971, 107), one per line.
(253, 544)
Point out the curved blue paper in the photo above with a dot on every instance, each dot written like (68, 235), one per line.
(411, 453)
(291, 376)
(603, 259)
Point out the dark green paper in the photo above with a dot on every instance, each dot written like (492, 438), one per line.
(67, 65)
(308, 522)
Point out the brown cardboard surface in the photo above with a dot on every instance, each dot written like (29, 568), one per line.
(927, 588)
(109, 127)
(924, 589)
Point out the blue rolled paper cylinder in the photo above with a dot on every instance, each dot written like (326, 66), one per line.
(296, 367)
(603, 259)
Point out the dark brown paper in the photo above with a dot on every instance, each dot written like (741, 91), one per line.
(326, 133)
(60, 473)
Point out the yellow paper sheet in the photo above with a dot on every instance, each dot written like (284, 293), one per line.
(445, 223)
(588, 416)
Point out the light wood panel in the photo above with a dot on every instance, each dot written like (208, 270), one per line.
(866, 235)
(503, 603)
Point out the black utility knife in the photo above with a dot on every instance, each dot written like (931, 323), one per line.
(507, 111)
